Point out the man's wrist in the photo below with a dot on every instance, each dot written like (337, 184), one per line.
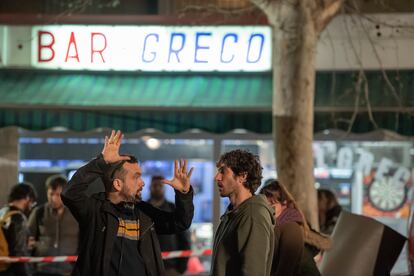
(102, 164)
(186, 191)
(101, 156)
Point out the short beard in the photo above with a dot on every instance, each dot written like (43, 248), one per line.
(138, 197)
(126, 197)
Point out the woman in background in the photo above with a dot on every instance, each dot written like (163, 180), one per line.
(329, 211)
(296, 243)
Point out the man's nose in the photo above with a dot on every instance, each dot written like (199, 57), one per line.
(217, 177)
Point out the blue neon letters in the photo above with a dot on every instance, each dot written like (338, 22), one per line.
(203, 42)
(145, 46)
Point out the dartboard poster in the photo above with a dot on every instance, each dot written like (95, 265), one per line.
(386, 196)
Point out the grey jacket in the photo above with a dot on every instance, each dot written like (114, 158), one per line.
(55, 236)
(244, 241)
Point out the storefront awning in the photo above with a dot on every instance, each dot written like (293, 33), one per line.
(215, 103)
(136, 91)
(130, 121)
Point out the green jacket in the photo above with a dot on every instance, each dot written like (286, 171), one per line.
(244, 241)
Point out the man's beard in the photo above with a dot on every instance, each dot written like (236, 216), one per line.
(127, 197)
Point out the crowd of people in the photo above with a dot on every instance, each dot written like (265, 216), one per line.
(115, 232)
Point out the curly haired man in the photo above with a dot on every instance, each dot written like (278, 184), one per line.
(244, 241)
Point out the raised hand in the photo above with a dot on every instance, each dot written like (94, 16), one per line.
(110, 151)
(181, 179)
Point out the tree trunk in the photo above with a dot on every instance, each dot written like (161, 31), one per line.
(296, 28)
(295, 42)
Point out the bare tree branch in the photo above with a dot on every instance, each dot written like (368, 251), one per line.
(366, 86)
(383, 72)
(333, 82)
(368, 102)
(329, 10)
(361, 77)
(265, 5)
(356, 103)
(352, 8)
(213, 9)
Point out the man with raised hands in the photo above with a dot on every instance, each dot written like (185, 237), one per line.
(118, 231)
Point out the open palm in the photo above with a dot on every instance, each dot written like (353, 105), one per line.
(110, 151)
(181, 179)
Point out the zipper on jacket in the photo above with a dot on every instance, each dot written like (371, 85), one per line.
(219, 235)
(146, 230)
(57, 233)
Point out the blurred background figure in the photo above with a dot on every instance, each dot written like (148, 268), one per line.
(296, 244)
(329, 211)
(15, 229)
(181, 241)
(54, 229)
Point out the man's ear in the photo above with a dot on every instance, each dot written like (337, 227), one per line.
(117, 184)
(243, 177)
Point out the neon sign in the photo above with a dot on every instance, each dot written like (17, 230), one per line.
(152, 48)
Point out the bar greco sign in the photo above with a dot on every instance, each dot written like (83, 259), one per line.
(152, 48)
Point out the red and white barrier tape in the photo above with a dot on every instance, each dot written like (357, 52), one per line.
(48, 259)
(186, 253)
(60, 259)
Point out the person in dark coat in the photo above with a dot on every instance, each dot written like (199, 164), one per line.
(296, 244)
(21, 199)
(175, 242)
(118, 231)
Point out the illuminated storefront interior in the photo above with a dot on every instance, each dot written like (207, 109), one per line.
(369, 175)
